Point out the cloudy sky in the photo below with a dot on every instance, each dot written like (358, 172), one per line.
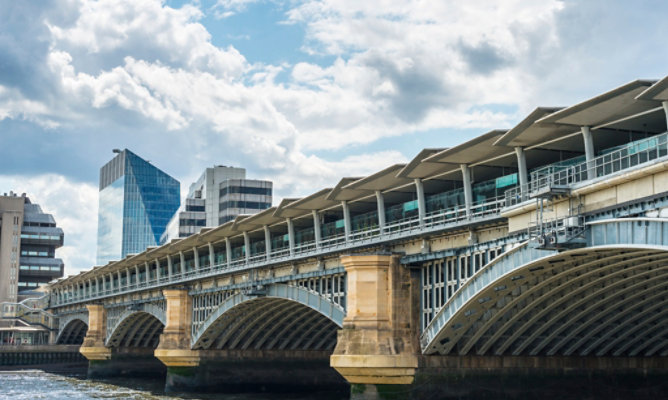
(301, 92)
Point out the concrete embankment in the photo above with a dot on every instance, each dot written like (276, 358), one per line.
(56, 358)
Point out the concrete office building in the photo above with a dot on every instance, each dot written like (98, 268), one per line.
(136, 202)
(219, 195)
(28, 242)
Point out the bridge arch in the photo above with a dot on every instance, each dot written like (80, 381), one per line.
(607, 299)
(285, 318)
(139, 326)
(72, 329)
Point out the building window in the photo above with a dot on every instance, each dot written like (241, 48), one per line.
(245, 190)
(255, 205)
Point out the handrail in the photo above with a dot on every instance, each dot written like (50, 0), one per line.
(438, 219)
(629, 156)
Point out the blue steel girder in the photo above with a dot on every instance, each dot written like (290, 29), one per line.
(544, 302)
(135, 325)
(276, 319)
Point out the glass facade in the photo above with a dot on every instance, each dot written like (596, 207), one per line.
(110, 222)
(137, 200)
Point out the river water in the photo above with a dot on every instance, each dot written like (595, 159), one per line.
(36, 384)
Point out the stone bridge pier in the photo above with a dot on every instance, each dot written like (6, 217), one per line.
(107, 361)
(378, 345)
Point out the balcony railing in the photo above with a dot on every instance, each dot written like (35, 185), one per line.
(30, 311)
(441, 219)
(632, 155)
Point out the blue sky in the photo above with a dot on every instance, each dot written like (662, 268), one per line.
(301, 92)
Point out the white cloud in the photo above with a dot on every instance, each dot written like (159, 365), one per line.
(227, 8)
(144, 73)
(73, 206)
(130, 28)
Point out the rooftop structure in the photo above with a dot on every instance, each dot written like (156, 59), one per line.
(219, 195)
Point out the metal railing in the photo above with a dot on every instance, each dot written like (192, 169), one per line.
(440, 219)
(30, 311)
(632, 155)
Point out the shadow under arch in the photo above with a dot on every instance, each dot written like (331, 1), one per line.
(136, 329)
(572, 302)
(286, 318)
(73, 332)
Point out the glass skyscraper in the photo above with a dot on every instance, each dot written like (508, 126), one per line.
(137, 200)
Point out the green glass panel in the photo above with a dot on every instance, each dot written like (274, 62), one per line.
(410, 205)
(507, 180)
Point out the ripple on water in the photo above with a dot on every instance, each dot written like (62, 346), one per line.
(33, 384)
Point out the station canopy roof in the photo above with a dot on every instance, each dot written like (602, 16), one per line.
(547, 133)
(315, 201)
(381, 181)
(657, 92)
(418, 168)
(258, 220)
(341, 194)
(283, 210)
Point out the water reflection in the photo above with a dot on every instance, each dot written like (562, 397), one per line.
(34, 384)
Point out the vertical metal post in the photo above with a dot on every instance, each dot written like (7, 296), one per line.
(228, 251)
(380, 200)
(169, 267)
(590, 152)
(196, 258)
(346, 219)
(267, 242)
(291, 236)
(316, 229)
(247, 248)
(137, 275)
(182, 264)
(665, 109)
(148, 272)
(522, 172)
(212, 255)
(468, 189)
(158, 272)
(422, 210)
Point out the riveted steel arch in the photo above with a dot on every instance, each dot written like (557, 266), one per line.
(544, 288)
(135, 323)
(72, 328)
(234, 325)
(536, 294)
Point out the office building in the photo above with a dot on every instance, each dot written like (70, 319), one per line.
(136, 202)
(219, 195)
(28, 242)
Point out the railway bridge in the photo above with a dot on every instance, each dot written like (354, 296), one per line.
(539, 249)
